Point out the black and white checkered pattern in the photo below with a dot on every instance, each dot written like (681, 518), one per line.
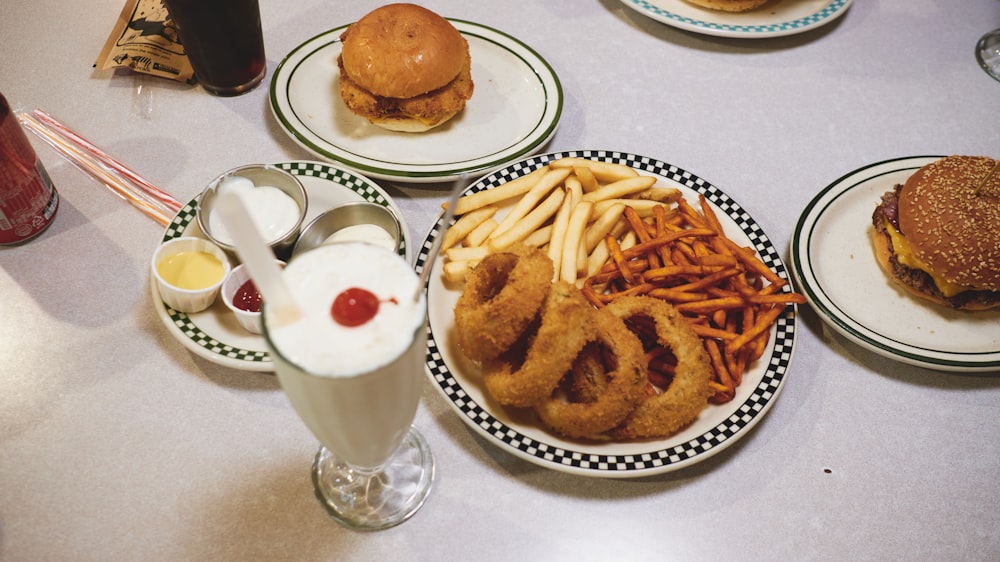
(195, 334)
(188, 216)
(362, 186)
(658, 458)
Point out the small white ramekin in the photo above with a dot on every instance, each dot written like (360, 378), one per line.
(250, 321)
(188, 300)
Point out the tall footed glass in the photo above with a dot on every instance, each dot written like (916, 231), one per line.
(352, 366)
(988, 53)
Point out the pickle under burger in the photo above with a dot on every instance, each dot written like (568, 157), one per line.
(938, 234)
(404, 68)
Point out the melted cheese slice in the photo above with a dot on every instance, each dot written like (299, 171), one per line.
(905, 255)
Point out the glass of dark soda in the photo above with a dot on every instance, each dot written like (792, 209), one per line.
(223, 41)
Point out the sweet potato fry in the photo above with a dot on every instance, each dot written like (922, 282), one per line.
(728, 294)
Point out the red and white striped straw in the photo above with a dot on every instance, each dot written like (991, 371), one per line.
(107, 160)
(120, 179)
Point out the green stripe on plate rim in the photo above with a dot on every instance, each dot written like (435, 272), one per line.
(538, 141)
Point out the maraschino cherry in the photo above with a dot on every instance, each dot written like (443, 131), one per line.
(354, 307)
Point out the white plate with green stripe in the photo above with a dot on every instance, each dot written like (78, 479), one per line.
(514, 111)
(833, 263)
(214, 334)
(774, 19)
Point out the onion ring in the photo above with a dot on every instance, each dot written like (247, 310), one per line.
(663, 414)
(608, 396)
(502, 296)
(589, 376)
(566, 324)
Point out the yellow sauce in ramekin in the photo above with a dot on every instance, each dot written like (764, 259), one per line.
(191, 270)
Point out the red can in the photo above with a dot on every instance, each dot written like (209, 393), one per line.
(28, 200)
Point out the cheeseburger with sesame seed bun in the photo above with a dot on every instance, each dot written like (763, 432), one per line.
(938, 234)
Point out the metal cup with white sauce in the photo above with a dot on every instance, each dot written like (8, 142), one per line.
(278, 206)
(361, 221)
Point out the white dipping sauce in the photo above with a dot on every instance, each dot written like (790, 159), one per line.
(369, 233)
(272, 211)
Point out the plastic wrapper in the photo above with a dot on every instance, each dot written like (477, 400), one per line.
(145, 40)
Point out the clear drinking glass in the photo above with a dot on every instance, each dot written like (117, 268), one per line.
(357, 388)
(988, 53)
(223, 41)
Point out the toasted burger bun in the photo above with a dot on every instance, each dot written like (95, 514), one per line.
(405, 68)
(730, 5)
(938, 234)
(409, 124)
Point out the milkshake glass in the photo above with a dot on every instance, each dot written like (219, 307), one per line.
(352, 365)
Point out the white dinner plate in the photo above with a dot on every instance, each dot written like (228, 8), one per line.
(214, 334)
(780, 17)
(833, 262)
(514, 111)
(458, 379)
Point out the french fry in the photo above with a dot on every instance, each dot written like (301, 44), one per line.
(511, 189)
(558, 236)
(588, 181)
(752, 262)
(777, 298)
(538, 238)
(724, 377)
(536, 194)
(645, 207)
(479, 234)
(710, 306)
(643, 235)
(603, 225)
(620, 188)
(529, 223)
(581, 258)
(606, 172)
(660, 194)
(578, 220)
(456, 271)
(711, 220)
(467, 253)
(574, 189)
(598, 257)
(620, 261)
(466, 224)
(628, 242)
(762, 323)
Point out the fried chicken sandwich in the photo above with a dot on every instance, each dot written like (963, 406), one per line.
(404, 68)
(938, 234)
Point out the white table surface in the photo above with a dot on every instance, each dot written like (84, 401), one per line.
(117, 443)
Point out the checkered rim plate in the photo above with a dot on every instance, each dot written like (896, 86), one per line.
(658, 458)
(180, 223)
